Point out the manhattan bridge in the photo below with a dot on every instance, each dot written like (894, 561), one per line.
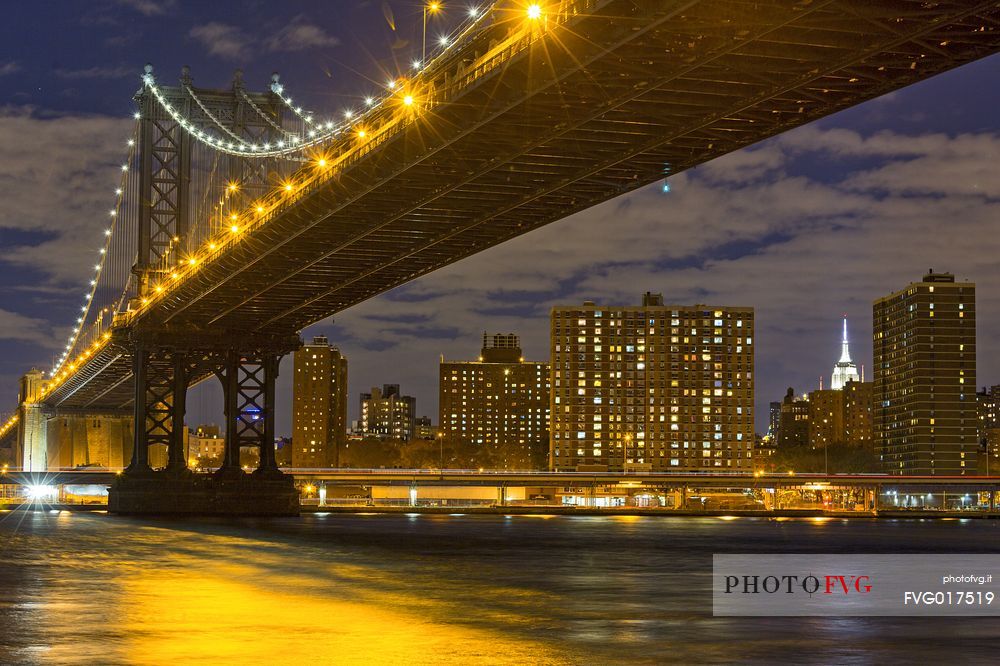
(241, 217)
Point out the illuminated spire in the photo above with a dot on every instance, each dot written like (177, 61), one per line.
(845, 370)
(845, 354)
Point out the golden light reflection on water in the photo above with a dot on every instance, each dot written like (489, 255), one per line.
(195, 611)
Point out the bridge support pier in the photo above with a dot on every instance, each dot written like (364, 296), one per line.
(164, 365)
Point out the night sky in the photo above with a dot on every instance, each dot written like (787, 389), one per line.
(805, 227)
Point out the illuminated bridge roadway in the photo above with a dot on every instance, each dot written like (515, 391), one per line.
(241, 218)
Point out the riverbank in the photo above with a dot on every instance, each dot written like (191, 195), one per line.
(577, 511)
(639, 511)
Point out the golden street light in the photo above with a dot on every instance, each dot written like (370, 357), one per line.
(429, 8)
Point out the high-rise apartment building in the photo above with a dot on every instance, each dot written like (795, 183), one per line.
(826, 418)
(793, 428)
(858, 414)
(925, 377)
(500, 402)
(654, 387)
(387, 414)
(773, 420)
(319, 405)
(988, 403)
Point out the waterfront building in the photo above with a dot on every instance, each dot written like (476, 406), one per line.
(387, 414)
(925, 377)
(988, 404)
(319, 405)
(826, 418)
(652, 387)
(858, 414)
(424, 429)
(793, 427)
(205, 446)
(499, 402)
(773, 419)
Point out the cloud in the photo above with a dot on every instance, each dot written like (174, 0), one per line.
(804, 227)
(225, 41)
(300, 35)
(9, 67)
(97, 73)
(14, 326)
(763, 227)
(57, 180)
(149, 7)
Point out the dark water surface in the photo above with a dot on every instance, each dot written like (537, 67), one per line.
(373, 589)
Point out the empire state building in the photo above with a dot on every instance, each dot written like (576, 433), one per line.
(845, 370)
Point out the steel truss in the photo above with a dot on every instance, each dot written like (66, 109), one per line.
(167, 151)
(166, 364)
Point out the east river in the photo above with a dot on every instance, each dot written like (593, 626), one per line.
(371, 589)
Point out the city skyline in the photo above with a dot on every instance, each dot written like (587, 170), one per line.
(322, 324)
(747, 229)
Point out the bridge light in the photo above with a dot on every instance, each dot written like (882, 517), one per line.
(107, 232)
(232, 187)
(235, 229)
(288, 187)
(260, 209)
(348, 114)
(118, 190)
(391, 85)
(159, 288)
(321, 162)
(137, 115)
(361, 134)
(234, 216)
(192, 261)
(124, 167)
(174, 275)
(131, 142)
(211, 246)
(416, 64)
(369, 101)
(534, 11)
(473, 12)
(408, 100)
(443, 40)
(433, 7)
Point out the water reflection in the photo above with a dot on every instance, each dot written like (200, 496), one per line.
(453, 589)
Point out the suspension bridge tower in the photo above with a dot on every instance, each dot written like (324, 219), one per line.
(184, 192)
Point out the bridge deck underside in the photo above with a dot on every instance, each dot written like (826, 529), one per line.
(602, 105)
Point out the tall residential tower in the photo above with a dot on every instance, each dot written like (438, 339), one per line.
(319, 405)
(925, 377)
(499, 402)
(653, 387)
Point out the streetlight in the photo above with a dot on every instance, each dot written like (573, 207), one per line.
(429, 8)
(441, 448)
